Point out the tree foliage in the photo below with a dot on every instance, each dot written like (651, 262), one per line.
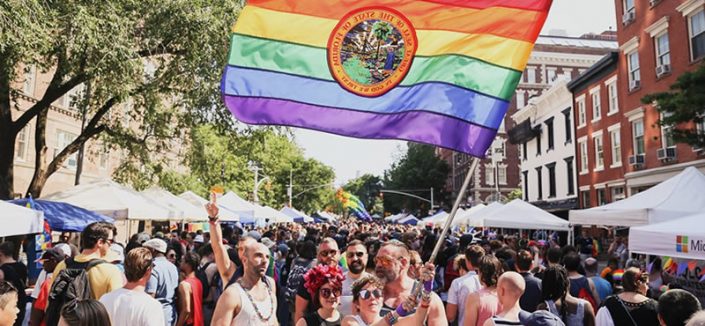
(683, 107)
(417, 170)
(367, 188)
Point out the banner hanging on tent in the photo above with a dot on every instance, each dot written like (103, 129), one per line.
(439, 72)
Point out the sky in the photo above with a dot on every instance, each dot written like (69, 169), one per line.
(352, 157)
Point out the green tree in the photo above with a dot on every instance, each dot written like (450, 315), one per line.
(683, 108)
(418, 169)
(367, 188)
(163, 55)
(381, 30)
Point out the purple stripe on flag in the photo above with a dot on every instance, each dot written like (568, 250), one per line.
(417, 126)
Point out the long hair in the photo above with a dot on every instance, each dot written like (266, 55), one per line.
(85, 313)
(555, 286)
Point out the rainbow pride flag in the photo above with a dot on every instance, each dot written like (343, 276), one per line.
(440, 72)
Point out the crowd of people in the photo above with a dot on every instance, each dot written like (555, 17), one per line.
(350, 273)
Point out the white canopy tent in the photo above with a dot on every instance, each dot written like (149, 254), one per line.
(409, 219)
(477, 218)
(519, 214)
(294, 214)
(681, 237)
(462, 219)
(327, 216)
(676, 197)
(186, 211)
(226, 214)
(276, 216)
(435, 217)
(18, 220)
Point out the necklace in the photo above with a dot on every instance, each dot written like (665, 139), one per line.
(271, 301)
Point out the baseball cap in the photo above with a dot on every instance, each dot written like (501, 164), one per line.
(198, 238)
(256, 235)
(268, 243)
(65, 249)
(156, 244)
(53, 254)
(117, 253)
(539, 318)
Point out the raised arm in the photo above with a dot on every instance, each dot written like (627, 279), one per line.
(226, 268)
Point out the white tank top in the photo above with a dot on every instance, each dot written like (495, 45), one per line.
(248, 315)
(359, 320)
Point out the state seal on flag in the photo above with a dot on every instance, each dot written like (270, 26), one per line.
(371, 50)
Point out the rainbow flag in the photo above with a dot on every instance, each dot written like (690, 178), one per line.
(617, 275)
(354, 204)
(440, 72)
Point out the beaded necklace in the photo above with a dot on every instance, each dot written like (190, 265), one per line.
(271, 301)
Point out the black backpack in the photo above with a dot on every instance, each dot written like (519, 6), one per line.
(295, 279)
(69, 285)
(203, 277)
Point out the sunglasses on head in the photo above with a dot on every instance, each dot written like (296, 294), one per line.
(327, 293)
(359, 254)
(366, 294)
(330, 252)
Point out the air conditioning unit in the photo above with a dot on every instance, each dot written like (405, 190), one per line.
(666, 154)
(628, 17)
(634, 84)
(636, 160)
(663, 70)
(653, 2)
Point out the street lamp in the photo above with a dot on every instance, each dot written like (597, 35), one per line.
(252, 166)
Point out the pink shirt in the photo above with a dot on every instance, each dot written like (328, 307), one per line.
(489, 306)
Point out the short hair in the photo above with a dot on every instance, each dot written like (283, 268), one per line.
(7, 249)
(490, 268)
(192, 259)
(554, 255)
(329, 241)
(362, 282)
(676, 306)
(307, 250)
(137, 263)
(7, 291)
(571, 262)
(94, 232)
(403, 248)
(632, 278)
(591, 266)
(414, 257)
(524, 260)
(356, 243)
(85, 313)
(473, 254)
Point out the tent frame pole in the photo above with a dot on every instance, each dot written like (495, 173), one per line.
(461, 194)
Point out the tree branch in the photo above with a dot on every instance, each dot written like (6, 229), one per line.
(73, 147)
(51, 95)
(159, 50)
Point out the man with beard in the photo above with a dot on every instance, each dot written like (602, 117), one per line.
(254, 286)
(391, 266)
(356, 255)
(328, 254)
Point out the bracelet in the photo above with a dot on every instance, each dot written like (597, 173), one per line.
(425, 305)
(425, 296)
(391, 318)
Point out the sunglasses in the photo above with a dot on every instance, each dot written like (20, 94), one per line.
(366, 294)
(327, 293)
(109, 241)
(331, 252)
(384, 261)
(359, 254)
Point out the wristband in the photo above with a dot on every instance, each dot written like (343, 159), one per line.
(390, 318)
(425, 305)
(428, 285)
(401, 311)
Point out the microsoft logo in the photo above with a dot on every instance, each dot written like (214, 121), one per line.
(682, 243)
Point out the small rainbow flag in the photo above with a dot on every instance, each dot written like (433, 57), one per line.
(440, 72)
(596, 247)
(617, 275)
(343, 262)
(668, 262)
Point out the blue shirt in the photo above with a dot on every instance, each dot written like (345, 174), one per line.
(163, 283)
(603, 287)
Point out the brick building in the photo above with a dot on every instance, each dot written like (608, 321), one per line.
(553, 57)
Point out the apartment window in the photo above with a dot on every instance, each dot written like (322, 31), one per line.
(103, 157)
(502, 174)
(599, 154)
(538, 145)
(63, 139)
(601, 199)
(526, 185)
(663, 52)
(551, 75)
(30, 80)
(549, 128)
(666, 136)
(540, 182)
(612, 94)
(551, 180)
(531, 75)
(524, 151)
(581, 113)
(568, 126)
(22, 145)
(521, 102)
(489, 174)
(638, 136)
(596, 107)
(585, 196)
(628, 5)
(634, 72)
(616, 146)
(583, 157)
(569, 171)
(697, 35)
(617, 193)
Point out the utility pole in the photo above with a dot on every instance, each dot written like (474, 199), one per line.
(432, 206)
(289, 191)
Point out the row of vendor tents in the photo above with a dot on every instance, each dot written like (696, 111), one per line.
(105, 200)
(668, 219)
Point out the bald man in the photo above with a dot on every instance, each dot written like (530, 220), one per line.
(510, 287)
(254, 286)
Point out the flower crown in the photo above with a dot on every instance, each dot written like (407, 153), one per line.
(320, 275)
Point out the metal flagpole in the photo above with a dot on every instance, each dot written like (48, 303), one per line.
(461, 194)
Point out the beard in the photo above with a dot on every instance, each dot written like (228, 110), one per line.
(356, 267)
(386, 275)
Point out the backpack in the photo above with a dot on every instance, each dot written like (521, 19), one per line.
(449, 274)
(203, 277)
(296, 278)
(69, 285)
(587, 296)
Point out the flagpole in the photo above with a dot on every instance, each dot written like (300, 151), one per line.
(461, 194)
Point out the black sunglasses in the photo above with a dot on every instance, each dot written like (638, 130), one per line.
(366, 294)
(326, 293)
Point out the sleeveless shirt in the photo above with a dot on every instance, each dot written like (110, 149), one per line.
(248, 315)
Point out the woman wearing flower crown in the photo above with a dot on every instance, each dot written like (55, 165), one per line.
(325, 284)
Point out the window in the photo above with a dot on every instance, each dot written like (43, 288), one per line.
(628, 5)
(549, 128)
(568, 126)
(583, 157)
(22, 145)
(63, 139)
(617, 193)
(531, 75)
(502, 174)
(581, 112)
(601, 199)
(551, 75)
(103, 157)
(666, 136)
(526, 185)
(633, 62)
(612, 94)
(596, 107)
(30, 80)
(489, 174)
(638, 136)
(524, 151)
(521, 102)
(599, 154)
(539, 183)
(585, 195)
(551, 180)
(696, 28)
(663, 52)
(538, 145)
(616, 144)
(569, 171)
